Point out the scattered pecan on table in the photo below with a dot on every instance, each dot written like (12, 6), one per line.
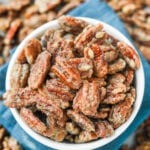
(142, 137)
(18, 18)
(74, 83)
(136, 16)
(7, 142)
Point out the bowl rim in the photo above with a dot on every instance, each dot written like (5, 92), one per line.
(140, 85)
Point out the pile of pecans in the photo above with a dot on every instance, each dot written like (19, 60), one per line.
(136, 16)
(142, 137)
(74, 83)
(7, 142)
(19, 17)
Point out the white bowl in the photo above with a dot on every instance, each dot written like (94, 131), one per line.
(139, 77)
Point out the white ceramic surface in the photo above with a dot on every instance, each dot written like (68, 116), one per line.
(91, 145)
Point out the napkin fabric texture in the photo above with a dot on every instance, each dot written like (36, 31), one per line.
(98, 10)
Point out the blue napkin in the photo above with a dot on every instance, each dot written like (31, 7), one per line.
(99, 10)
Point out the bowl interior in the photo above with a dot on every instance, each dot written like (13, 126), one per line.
(139, 79)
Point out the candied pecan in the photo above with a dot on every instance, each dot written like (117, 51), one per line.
(84, 66)
(101, 114)
(4, 23)
(100, 65)
(21, 58)
(50, 36)
(129, 9)
(119, 114)
(23, 32)
(17, 5)
(87, 99)
(6, 51)
(110, 55)
(72, 128)
(30, 10)
(59, 101)
(45, 5)
(145, 51)
(117, 66)
(19, 75)
(81, 120)
(103, 93)
(69, 138)
(68, 7)
(140, 19)
(141, 35)
(103, 129)
(117, 78)
(53, 34)
(72, 25)
(115, 88)
(35, 21)
(47, 105)
(116, 84)
(57, 134)
(100, 81)
(54, 123)
(129, 55)
(56, 87)
(100, 38)
(39, 70)
(57, 45)
(17, 98)
(121, 111)
(10, 143)
(66, 53)
(51, 15)
(113, 99)
(85, 136)
(88, 53)
(86, 36)
(68, 37)
(12, 31)
(107, 46)
(130, 96)
(67, 73)
(32, 121)
(32, 49)
(129, 78)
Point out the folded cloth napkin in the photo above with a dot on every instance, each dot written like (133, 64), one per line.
(99, 10)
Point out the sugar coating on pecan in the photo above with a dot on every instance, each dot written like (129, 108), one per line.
(74, 83)
(32, 49)
(104, 129)
(22, 97)
(87, 99)
(70, 24)
(59, 89)
(81, 120)
(39, 70)
(72, 128)
(19, 75)
(67, 73)
(85, 136)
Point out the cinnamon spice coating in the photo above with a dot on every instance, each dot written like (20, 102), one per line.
(74, 83)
